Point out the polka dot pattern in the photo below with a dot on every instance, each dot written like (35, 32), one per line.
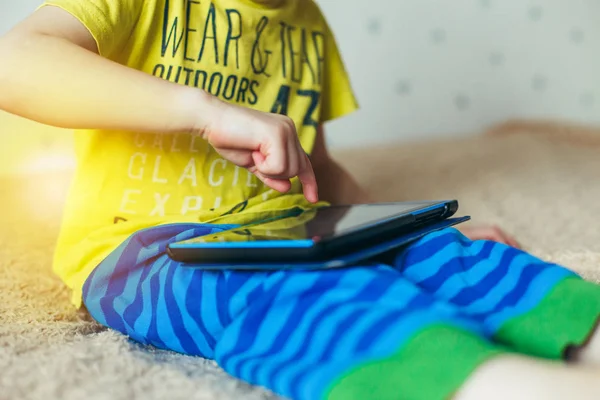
(422, 68)
(577, 35)
(374, 26)
(462, 102)
(403, 88)
(536, 13)
(438, 36)
(539, 83)
(434, 68)
(497, 58)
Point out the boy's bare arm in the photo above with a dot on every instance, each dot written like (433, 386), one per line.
(336, 185)
(51, 72)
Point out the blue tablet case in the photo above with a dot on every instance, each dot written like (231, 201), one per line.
(346, 260)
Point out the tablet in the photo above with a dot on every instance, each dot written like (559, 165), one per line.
(314, 235)
(355, 256)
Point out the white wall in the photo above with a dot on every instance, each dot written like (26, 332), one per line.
(424, 68)
(427, 68)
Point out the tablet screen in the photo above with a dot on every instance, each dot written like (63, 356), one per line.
(318, 223)
(337, 219)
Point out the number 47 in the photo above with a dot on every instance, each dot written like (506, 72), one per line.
(283, 100)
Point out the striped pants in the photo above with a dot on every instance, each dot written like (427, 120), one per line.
(414, 327)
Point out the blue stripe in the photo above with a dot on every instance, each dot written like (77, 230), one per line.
(147, 253)
(438, 257)
(209, 306)
(221, 299)
(90, 303)
(164, 234)
(321, 375)
(155, 291)
(174, 314)
(457, 264)
(124, 301)
(240, 286)
(97, 283)
(248, 363)
(376, 329)
(462, 272)
(85, 291)
(144, 321)
(160, 233)
(236, 339)
(315, 329)
(164, 325)
(362, 305)
(116, 286)
(298, 364)
(365, 319)
(315, 318)
(498, 271)
(271, 322)
(136, 307)
(526, 296)
(294, 334)
(188, 234)
(421, 250)
(236, 281)
(403, 330)
(490, 300)
(183, 280)
(194, 306)
(385, 291)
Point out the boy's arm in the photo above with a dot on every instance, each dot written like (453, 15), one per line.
(336, 185)
(51, 73)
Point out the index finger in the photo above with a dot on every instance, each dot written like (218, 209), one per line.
(309, 181)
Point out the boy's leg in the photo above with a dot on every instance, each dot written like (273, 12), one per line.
(302, 335)
(534, 307)
(352, 334)
(138, 291)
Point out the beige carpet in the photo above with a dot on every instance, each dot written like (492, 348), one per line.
(541, 188)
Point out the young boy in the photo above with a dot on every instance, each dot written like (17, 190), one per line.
(191, 114)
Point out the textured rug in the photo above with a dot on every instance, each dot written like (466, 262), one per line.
(542, 188)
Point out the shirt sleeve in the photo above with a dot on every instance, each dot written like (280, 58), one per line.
(337, 96)
(110, 22)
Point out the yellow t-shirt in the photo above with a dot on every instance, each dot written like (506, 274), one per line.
(276, 56)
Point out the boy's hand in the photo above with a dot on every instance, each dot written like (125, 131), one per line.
(266, 144)
(489, 232)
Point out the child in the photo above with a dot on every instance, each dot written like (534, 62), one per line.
(192, 114)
